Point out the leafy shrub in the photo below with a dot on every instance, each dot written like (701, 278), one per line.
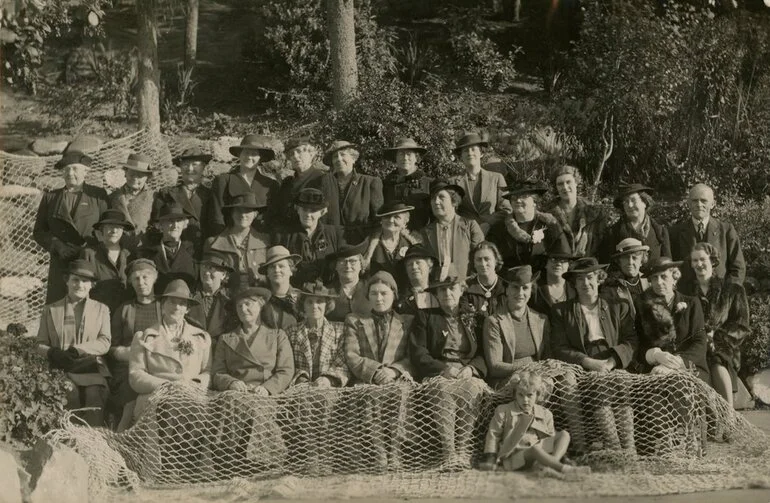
(755, 350)
(32, 397)
(481, 61)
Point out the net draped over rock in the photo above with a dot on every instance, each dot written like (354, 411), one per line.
(386, 441)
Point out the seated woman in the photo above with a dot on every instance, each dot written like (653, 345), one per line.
(418, 263)
(671, 326)
(726, 312)
(244, 246)
(446, 350)
(626, 281)
(281, 309)
(517, 334)
(486, 290)
(376, 350)
(597, 334)
(351, 292)
(214, 310)
(387, 246)
(136, 315)
(552, 288)
(74, 333)
(109, 259)
(256, 362)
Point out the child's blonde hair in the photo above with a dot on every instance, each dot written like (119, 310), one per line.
(531, 381)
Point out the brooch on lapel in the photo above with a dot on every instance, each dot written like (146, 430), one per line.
(445, 333)
(537, 236)
(680, 306)
(184, 347)
(321, 245)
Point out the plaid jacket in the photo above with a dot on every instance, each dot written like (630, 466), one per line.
(332, 357)
(362, 350)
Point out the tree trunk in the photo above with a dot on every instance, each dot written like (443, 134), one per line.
(342, 45)
(148, 92)
(191, 35)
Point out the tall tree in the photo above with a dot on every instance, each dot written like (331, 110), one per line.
(340, 15)
(191, 35)
(148, 92)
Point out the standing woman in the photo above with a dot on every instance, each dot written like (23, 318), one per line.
(408, 183)
(359, 196)
(134, 198)
(351, 291)
(635, 201)
(486, 289)
(449, 236)
(282, 309)
(387, 246)
(551, 287)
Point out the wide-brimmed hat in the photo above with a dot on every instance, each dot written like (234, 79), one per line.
(393, 208)
(114, 217)
(247, 201)
(438, 185)
(312, 199)
(583, 266)
(381, 277)
(317, 289)
(295, 142)
(403, 144)
(627, 190)
(178, 289)
(629, 246)
(139, 265)
(660, 264)
(469, 139)
(253, 292)
(452, 278)
(171, 211)
(276, 254)
(419, 251)
(83, 268)
(139, 163)
(73, 157)
(337, 145)
(561, 250)
(520, 275)
(256, 142)
(218, 260)
(347, 251)
(192, 154)
(524, 187)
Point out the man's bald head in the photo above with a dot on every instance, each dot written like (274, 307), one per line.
(701, 201)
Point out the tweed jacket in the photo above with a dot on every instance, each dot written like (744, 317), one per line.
(491, 204)
(111, 287)
(357, 207)
(281, 213)
(511, 429)
(657, 239)
(723, 236)
(519, 249)
(282, 313)
(196, 207)
(590, 226)
(181, 266)
(256, 252)
(357, 303)
(155, 359)
(313, 249)
(227, 186)
(365, 355)
(466, 233)
(221, 318)
(414, 190)
(137, 209)
(267, 362)
(331, 356)
(681, 332)
(94, 341)
(569, 331)
(499, 342)
(427, 340)
(63, 234)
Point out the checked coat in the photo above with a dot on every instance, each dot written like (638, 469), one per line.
(365, 355)
(331, 356)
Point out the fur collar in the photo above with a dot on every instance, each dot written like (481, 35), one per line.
(542, 220)
(374, 240)
(585, 213)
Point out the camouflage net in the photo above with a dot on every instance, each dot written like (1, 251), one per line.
(641, 434)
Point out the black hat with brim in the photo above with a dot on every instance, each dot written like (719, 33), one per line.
(312, 199)
(216, 260)
(627, 190)
(403, 144)
(444, 283)
(73, 157)
(192, 154)
(83, 268)
(247, 201)
(264, 144)
(114, 217)
(178, 289)
(347, 251)
(419, 251)
(659, 265)
(523, 187)
(253, 292)
(393, 208)
(469, 140)
(583, 265)
(439, 185)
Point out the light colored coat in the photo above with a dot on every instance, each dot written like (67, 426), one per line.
(466, 234)
(512, 429)
(364, 354)
(331, 360)
(499, 341)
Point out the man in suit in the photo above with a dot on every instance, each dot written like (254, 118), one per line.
(66, 217)
(483, 201)
(74, 334)
(702, 227)
(134, 198)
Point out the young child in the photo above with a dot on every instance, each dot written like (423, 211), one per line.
(522, 432)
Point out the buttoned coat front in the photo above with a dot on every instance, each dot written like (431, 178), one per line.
(195, 207)
(512, 430)
(521, 250)
(331, 357)
(487, 212)
(282, 214)
(111, 286)
(466, 235)
(256, 253)
(156, 359)
(657, 239)
(357, 303)
(358, 206)
(499, 342)
(181, 266)
(414, 190)
(569, 330)
(313, 250)
(267, 362)
(365, 355)
(721, 235)
(221, 317)
(137, 209)
(227, 186)
(63, 234)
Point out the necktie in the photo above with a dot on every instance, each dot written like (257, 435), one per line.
(70, 326)
(701, 232)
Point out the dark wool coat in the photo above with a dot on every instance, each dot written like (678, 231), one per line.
(225, 187)
(256, 252)
(723, 236)
(63, 234)
(221, 318)
(195, 207)
(281, 213)
(138, 210)
(282, 313)
(726, 311)
(541, 302)
(181, 266)
(682, 332)
(615, 287)
(657, 239)
(414, 190)
(475, 295)
(569, 331)
(380, 259)
(357, 207)
(590, 225)
(518, 251)
(111, 288)
(326, 240)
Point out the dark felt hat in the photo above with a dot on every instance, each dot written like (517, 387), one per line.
(453, 277)
(218, 260)
(336, 146)
(247, 201)
(520, 275)
(419, 251)
(276, 254)
(192, 154)
(293, 143)
(468, 139)
(171, 212)
(583, 266)
(660, 264)
(347, 251)
(627, 190)
(178, 289)
(73, 157)
(140, 163)
(393, 208)
(114, 217)
(561, 250)
(312, 199)
(256, 142)
(438, 185)
(317, 289)
(524, 187)
(83, 268)
(403, 144)
(629, 246)
(252, 292)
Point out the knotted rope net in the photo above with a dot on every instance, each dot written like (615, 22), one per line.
(641, 434)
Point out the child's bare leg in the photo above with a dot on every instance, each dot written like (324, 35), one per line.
(537, 453)
(127, 418)
(723, 383)
(560, 444)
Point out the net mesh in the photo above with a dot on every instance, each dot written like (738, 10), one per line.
(641, 434)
